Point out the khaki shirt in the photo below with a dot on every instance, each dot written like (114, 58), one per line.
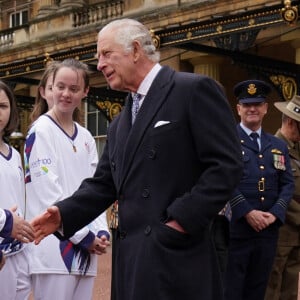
(293, 211)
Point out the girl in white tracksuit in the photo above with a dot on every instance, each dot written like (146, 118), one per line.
(14, 277)
(59, 154)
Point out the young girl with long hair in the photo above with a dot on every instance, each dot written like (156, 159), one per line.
(59, 154)
(14, 231)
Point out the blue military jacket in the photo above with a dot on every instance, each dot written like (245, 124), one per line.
(267, 184)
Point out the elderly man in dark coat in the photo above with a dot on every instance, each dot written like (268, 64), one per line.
(172, 168)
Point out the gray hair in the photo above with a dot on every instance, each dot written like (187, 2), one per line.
(128, 30)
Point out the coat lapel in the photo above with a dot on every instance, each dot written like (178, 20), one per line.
(265, 141)
(247, 142)
(124, 125)
(154, 99)
(245, 139)
(123, 131)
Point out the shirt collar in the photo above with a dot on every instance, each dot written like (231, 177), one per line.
(149, 78)
(248, 131)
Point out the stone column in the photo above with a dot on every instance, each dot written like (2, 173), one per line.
(68, 4)
(46, 7)
(211, 70)
(204, 64)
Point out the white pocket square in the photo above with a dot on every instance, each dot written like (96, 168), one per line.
(161, 123)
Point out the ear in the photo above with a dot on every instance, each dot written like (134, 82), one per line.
(238, 108)
(42, 91)
(290, 121)
(266, 108)
(136, 50)
(86, 91)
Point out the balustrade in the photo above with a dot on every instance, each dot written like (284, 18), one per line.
(97, 13)
(80, 17)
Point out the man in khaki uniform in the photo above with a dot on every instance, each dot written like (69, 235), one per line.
(283, 282)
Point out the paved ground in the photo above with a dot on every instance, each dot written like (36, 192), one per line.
(102, 282)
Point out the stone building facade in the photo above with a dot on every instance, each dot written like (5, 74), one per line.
(227, 40)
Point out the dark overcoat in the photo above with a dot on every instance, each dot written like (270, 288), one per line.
(185, 169)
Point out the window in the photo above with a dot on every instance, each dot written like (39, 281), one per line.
(97, 124)
(18, 18)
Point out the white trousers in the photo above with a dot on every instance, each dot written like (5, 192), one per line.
(15, 281)
(62, 287)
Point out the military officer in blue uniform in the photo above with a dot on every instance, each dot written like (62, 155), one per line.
(259, 203)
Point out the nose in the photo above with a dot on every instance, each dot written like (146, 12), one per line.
(102, 63)
(66, 92)
(99, 68)
(252, 106)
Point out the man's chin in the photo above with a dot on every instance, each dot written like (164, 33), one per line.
(116, 87)
(253, 124)
(253, 121)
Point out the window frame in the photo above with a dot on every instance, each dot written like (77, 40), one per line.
(21, 14)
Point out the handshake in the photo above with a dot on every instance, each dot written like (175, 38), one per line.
(14, 226)
(17, 228)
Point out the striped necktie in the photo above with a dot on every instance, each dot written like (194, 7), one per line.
(135, 106)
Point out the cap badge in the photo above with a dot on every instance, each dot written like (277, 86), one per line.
(251, 89)
(297, 109)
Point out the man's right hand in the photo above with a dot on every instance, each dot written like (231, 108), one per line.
(257, 219)
(46, 223)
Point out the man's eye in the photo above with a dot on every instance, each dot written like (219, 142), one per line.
(107, 54)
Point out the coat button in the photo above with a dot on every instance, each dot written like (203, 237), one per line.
(152, 154)
(145, 193)
(147, 230)
(113, 165)
(122, 235)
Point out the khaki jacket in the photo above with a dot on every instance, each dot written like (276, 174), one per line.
(293, 211)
